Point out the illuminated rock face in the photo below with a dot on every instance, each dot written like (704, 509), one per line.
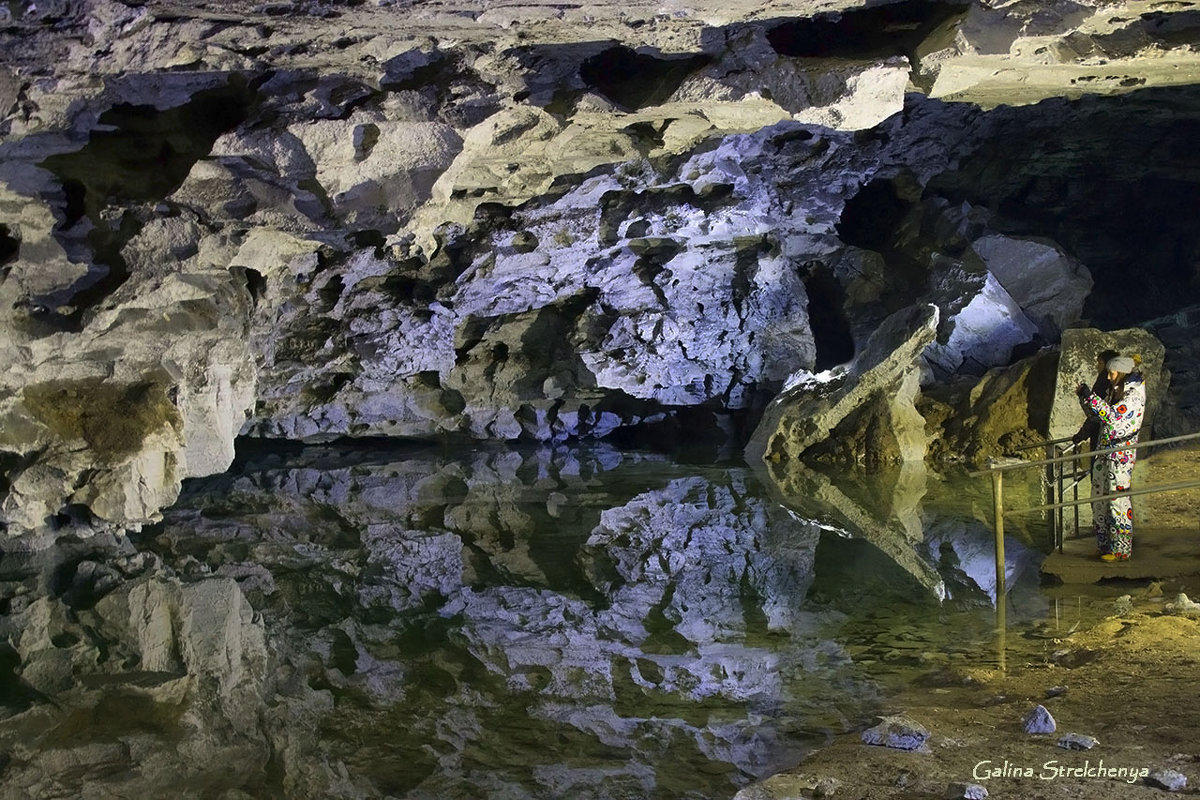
(331, 219)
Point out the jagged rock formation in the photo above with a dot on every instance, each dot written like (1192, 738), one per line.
(326, 219)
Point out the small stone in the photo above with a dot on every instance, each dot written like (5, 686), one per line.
(1056, 691)
(1183, 605)
(897, 732)
(1039, 720)
(1123, 604)
(1167, 779)
(966, 791)
(1077, 741)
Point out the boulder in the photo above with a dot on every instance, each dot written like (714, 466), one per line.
(1077, 364)
(1039, 720)
(981, 323)
(1169, 780)
(106, 425)
(898, 732)
(1007, 408)
(808, 411)
(1048, 284)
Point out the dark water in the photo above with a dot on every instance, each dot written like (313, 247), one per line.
(550, 623)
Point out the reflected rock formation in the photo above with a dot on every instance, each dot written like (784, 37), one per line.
(538, 624)
(123, 679)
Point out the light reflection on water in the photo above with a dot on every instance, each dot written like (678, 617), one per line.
(555, 623)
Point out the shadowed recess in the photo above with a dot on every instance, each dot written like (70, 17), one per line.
(1131, 220)
(10, 246)
(890, 30)
(827, 317)
(636, 80)
(140, 156)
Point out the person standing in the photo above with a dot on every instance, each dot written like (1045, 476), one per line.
(1118, 412)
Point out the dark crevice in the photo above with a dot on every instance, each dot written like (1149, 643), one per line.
(872, 217)
(827, 318)
(636, 80)
(887, 30)
(10, 248)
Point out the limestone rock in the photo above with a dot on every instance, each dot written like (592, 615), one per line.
(1007, 408)
(785, 786)
(1039, 720)
(483, 232)
(1167, 779)
(966, 791)
(981, 323)
(805, 413)
(114, 449)
(376, 171)
(1077, 364)
(1077, 741)
(898, 732)
(1048, 285)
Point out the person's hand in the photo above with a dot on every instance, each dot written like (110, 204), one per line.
(1082, 390)
(1079, 437)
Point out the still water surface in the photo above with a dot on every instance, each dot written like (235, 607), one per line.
(571, 622)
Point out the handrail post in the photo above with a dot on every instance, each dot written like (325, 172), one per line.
(998, 504)
(1076, 465)
(1059, 515)
(1001, 589)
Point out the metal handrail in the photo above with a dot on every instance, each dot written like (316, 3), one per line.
(1162, 487)
(1044, 444)
(1026, 464)
(997, 473)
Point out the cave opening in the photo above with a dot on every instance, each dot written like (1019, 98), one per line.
(895, 29)
(1115, 181)
(873, 215)
(637, 80)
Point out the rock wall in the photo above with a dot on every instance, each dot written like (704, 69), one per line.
(326, 219)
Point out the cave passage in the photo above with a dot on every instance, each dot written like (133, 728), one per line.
(637, 80)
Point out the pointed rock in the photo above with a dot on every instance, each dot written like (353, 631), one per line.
(810, 408)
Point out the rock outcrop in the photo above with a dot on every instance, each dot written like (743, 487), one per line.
(1078, 365)
(806, 412)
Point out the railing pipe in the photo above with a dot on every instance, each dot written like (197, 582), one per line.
(1106, 451)
(1163, 487)
(997, 473)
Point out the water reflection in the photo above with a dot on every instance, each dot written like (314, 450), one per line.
(457, 624)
